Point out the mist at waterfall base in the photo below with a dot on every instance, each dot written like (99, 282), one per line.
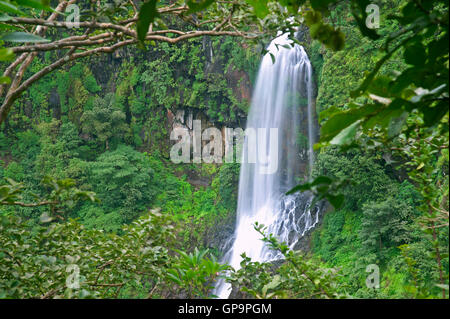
(282, 94)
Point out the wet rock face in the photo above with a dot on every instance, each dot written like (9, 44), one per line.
(295, 221)
(304, 243)
(222, 237)
(184, 118)
(55, 104)
(303, 34)
(239, 81)
(302, 220)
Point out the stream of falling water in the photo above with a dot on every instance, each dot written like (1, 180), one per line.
(283, 93)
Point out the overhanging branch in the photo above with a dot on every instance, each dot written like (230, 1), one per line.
(115, 36)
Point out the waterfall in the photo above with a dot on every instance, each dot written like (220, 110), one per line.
(282, 95)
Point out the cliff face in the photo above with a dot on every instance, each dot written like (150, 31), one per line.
(217, 92)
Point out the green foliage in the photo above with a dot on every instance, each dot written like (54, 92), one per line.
(298, 277)
(124, 179)
(14, 171)
(385, 225)
(105, 121)
(252, 277)
(41, 264)
(194, 273)
(198, 5)
(260, 8)
(182, 75)
(91, 84)
(326, 34)
(10, 33)
(375, 223)
(95, 217)
(58, 146)
(360, 177)
(397, 130)
(62, 195)
(420, 89)
(225, 185)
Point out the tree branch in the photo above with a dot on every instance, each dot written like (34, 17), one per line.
(68, 25)
(117, 35)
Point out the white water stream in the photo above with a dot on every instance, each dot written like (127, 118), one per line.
(283, 93)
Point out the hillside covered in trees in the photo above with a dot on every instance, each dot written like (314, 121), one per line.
(92, 206)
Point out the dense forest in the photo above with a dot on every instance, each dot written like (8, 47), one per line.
(91, 205)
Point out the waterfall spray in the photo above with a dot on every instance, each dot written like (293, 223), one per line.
(282, 90)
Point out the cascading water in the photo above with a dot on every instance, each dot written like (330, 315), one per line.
(283, 91)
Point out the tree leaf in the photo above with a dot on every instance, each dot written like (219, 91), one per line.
(45, 218)
(360, 15)
(272, 57)
(147, 15)
(321, 180)
(299, 188)
(5, 18)
(369, 78)
(196, 6)
(344, 119)
(442, 286)
(8, 7)
(35, 4)
(260, 7)
(432, 115)
(346, 135)
(5, 80)
(415, 54)
(396, 124)
(276, 281)
(6, 54)
(335, 200)
(22, 37)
